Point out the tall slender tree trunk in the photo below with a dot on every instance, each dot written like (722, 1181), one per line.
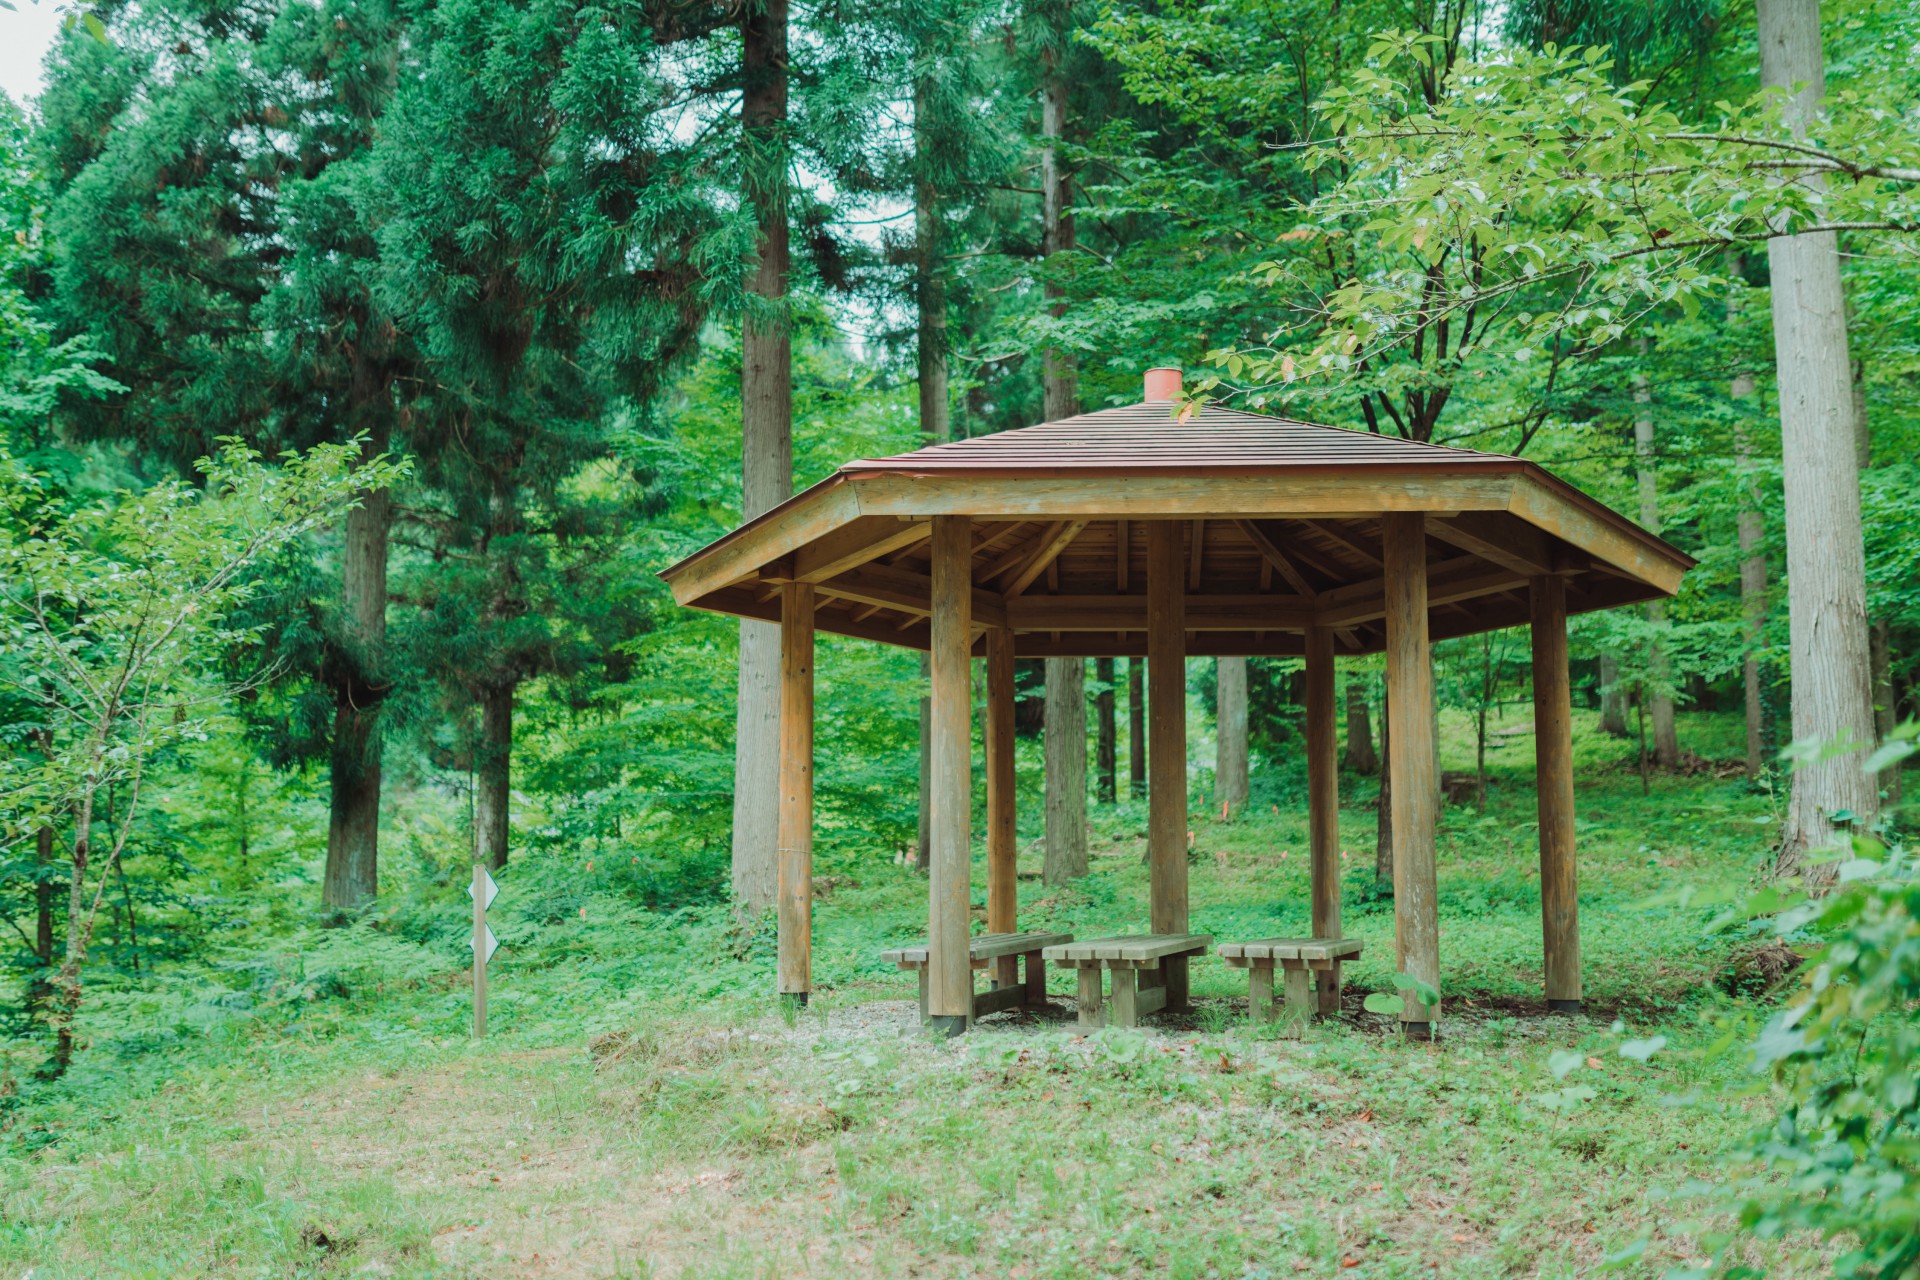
(1066, 750)
(1066, 736)
(1750, 528)
(1361, 758)
(766, 422)
(930, 302)
(1826, 558)
(1666, 740)
(1613, 700)
(1230, 734)
(493, 776)
(1137, 728)
(1885, 712)
(1106, 748)
(352, 875)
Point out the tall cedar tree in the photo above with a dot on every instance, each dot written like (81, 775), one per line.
(541, 235)
(210, 247)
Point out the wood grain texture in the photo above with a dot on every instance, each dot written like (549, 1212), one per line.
(1323, 799)
(1553, 762)
(1002, 835)
(950, 985)
(795, 842)
(1167, 740)
(1411, 758)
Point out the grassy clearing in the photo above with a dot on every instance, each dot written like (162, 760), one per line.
(643, 1110)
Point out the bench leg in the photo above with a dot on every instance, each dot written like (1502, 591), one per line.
(1003, 972)
(1329, 990)
(1036, 979)
(1091, 1014)
(924, 982)
(1175, 968)
(1126, 1011)
(1299, 998)
(1260, 992)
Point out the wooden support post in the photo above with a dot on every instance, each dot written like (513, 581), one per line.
(1126, 991)
(950, 988)
(1323, 804)
(1091, 1013)
(1002, 893)
(795, 894)
(1298, 1009)
(1036, 979)
(1416, 916)
(1260, 992)
(1553, 763)
(1167, 745)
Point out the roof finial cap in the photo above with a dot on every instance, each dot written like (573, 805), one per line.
(1162, 384)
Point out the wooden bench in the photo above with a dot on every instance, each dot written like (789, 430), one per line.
(1001, 951)
(1298, 959)
(1129, 958)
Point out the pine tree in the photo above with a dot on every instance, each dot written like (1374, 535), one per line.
(538, 242)
(209, 248)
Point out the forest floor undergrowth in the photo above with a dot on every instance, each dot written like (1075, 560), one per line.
(644, 1108)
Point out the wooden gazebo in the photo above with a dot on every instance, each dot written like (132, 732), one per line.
(1128, 532)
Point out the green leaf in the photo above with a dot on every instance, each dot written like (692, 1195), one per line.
(1381, 1002)
(95, 28)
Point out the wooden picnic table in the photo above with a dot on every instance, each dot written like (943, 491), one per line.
(1298, 959)
(1137, 963)
(1001, 951)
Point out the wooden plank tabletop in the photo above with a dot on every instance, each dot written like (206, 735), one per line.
(1130, 948)
(984, 946)
(1291, 949)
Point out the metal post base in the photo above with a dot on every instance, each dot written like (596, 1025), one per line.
(798, 999)
(1563, 1006)
(1420, 1030)
(948, 1025)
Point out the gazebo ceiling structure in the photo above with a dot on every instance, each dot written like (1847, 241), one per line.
(1136, 531)
(1281, 530)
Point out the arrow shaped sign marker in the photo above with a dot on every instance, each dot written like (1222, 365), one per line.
(493, 945)
(493, 890)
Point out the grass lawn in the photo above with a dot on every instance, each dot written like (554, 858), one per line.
(643, 1108)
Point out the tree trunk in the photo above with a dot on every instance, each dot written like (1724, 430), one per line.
(1066, 750)
(1230, 734)
(1361, 758)
(1383, 829)
(1060, 373)
(766, 413)
(1613, 700)
(493, 776)
(1105, 751)
(1880, 645)
(1826, 561)
(1137, 728)
(352, 875)
(1751, 529)
(930, 302)
(1666, 741)
(1066, 736)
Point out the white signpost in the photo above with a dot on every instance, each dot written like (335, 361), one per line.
(483, 891)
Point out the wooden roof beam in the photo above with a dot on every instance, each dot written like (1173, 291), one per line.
(1195, 551)
(1045, 550)
(1270, 552)
(1503, 540)
(851, 545)
(908, 592)
(1122, 556)
(1129, 613)
(1348, 542)
(1447, 582)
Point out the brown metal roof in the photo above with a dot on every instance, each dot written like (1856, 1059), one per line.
(1146, 437)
